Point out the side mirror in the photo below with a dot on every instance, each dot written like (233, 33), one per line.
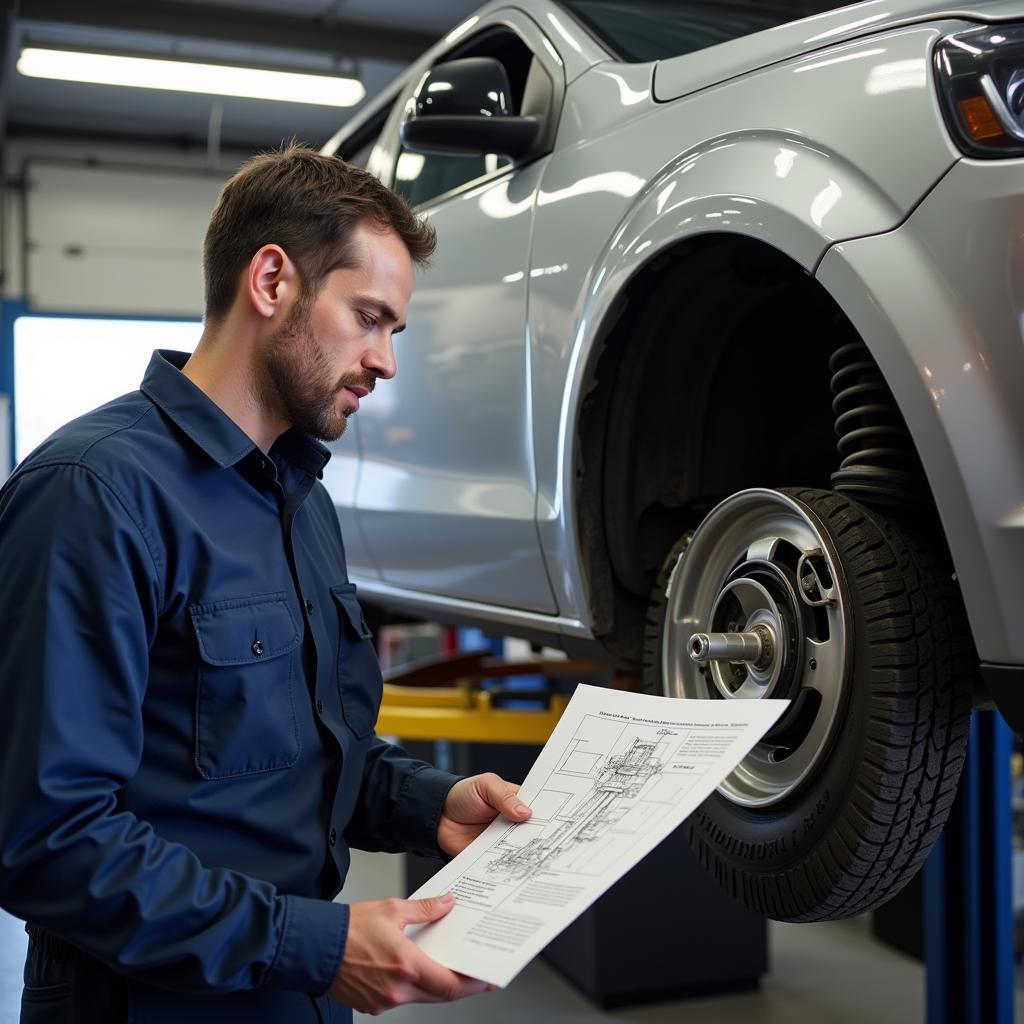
(463, 107)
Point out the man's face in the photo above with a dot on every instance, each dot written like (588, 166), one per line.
(331, 349)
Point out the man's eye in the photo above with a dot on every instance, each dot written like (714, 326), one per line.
(368, 321)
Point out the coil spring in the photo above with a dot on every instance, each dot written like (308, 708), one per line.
(879, 463)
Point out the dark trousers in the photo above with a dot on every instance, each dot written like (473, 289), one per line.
(65, 986)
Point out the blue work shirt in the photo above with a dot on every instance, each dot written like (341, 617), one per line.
(190, 692)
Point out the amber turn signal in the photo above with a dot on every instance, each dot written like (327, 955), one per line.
(980, 119)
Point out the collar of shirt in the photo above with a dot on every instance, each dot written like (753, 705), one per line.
(210, 428)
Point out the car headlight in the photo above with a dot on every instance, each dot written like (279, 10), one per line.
(981, 82)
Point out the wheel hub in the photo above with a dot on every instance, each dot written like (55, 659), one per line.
(749, 664)
(740, 627)
(757, 646)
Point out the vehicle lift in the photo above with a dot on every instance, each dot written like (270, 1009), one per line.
(440, 698)
(968, 926)
(969, 945)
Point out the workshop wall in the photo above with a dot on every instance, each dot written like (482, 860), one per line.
(107, 229)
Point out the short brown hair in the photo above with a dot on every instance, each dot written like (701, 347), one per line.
(308, 204)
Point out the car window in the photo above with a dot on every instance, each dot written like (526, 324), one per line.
(362, 155)
(644, 30)
(356, 149)
(421, 177)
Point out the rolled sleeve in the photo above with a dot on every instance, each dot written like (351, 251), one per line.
(313, 939)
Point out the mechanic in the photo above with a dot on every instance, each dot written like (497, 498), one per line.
(189, 684)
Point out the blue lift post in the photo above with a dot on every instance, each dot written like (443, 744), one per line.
(968, 890)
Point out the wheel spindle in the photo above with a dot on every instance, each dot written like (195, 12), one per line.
(752, 646)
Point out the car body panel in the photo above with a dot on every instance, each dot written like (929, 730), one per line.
(341, 477)
(680, 76)
(798, 191)
(446, 487)
(567, 41)
(940, 304)
(446, 492)
(822, 138)
(576, 47)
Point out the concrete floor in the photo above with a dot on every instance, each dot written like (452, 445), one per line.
(820, 973)
(829, 972)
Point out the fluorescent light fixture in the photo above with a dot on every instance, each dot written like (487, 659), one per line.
(189, 76)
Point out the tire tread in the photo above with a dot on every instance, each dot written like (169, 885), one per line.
(922, 665)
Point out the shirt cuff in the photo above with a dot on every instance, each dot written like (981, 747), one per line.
(418, 810)
(312, 943)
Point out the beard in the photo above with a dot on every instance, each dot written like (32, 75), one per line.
(295, 381)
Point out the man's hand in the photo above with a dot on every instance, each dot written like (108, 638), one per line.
(382, 969)
(471, 805)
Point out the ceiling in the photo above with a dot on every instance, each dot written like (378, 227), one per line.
(376, 39)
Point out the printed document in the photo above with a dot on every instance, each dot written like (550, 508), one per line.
(619, 773)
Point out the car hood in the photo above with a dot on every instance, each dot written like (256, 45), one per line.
(680, 76)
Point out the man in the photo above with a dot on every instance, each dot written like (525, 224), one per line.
(189, 685)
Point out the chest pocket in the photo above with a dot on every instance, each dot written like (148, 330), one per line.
(360, 685)
(245, 711)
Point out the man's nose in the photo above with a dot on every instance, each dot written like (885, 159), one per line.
(380, 359)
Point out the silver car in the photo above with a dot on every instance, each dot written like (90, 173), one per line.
(718, 374)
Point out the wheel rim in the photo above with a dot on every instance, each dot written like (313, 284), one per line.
(763, 560)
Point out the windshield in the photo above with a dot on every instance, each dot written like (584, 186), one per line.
(643, 30)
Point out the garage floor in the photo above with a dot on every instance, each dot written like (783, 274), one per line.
(832, 972)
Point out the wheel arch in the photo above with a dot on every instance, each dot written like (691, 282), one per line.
(623, 444)
(808, 199)
(780, 431)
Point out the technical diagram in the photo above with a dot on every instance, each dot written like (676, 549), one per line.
(619, 772)
(619, 780)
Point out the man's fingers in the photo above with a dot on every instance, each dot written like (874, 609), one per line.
(404, 994)
(382, 968)
(507, 801)
(502, 796)
(441, 990)
(422, 911)
(515, 809)
(431, 978)
(443, 984)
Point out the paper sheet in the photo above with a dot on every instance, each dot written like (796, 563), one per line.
(619, 773)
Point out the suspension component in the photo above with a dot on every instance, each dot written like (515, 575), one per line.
(879, 464)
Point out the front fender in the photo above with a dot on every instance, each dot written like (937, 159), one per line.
(940, 305)
(808, 198)
(799, 155)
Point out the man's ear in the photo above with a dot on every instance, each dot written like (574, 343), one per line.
(272, 281)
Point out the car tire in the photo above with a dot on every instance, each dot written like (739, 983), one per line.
(837, 808)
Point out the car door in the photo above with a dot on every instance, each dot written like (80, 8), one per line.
(446, 494)
(359, 144)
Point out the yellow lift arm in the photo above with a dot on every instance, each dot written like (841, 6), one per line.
(441, 699)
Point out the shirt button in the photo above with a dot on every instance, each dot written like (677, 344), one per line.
(319, 706)
(263, 464)
(333, 837)
(309, 606)
(257, 647)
